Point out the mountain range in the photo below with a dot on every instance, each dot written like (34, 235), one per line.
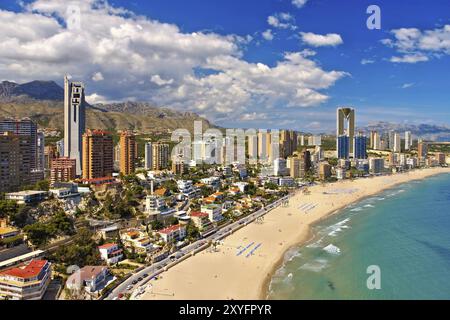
(431, 132)
(42, 101)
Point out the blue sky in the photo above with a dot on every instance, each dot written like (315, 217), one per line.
(396, 74)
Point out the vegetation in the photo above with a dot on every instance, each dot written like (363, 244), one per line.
(40, 233)
(43, 185)
(81, 252)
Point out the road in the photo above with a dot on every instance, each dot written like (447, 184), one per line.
(142, 277)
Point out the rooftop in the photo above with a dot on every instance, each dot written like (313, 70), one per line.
(26, 270)
(170, 229)
(198, 214)
(107, 246)
(26, 193)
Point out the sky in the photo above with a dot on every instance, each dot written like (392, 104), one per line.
(280, 64)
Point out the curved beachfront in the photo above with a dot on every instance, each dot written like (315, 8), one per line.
(241, 267)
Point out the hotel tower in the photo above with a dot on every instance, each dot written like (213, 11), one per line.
(74, 121)
(346, 126)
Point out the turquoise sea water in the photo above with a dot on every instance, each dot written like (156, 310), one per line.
(405, 231)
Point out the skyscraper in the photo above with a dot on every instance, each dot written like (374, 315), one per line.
(376, 141)
(160, 156)
(23, 127)
(98, 158)
(74, 120)
(343, 146)
(346, 125)
(422, 149)
(148, 156)
(127, 152)
(253, 148)
(397, 146)
(360, 146)
(391, 139)
(14, 161)
(408, 140)
(305, 163)
(40, 151)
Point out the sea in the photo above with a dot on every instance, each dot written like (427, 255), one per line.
(392, 246)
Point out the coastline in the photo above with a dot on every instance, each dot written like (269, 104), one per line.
(230, 276)
(266, 285)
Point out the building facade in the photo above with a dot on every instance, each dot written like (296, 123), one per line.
(360, 146)
(27, 129)
(74, 121)
(62, 170)
(160, 156)
(127, 153)
(28, 281)
(98, 157)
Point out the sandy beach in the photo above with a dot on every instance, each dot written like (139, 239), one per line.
(226, 275)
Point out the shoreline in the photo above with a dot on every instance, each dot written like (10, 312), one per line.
(264, 293)
(237, 274)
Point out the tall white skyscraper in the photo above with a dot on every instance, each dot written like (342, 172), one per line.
(40, 151)
(397, 146)
(148, 156)
(377, 141)
(408, 140)
(74, 120)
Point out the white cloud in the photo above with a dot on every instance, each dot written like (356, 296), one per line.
(98, 76)
(410, 58)
(407, 85)
(268, 35)
(282, 20)
(367, 61)
(253, 116)
(416, 45)
(299, 3)
(318, 40)
(159, 81)
(130, 50)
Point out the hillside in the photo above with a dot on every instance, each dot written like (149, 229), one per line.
(42, 101)
(51, 114)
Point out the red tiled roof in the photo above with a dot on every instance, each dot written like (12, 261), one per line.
(198, 214)
(170, 229)
(25, 271)
(107, 246)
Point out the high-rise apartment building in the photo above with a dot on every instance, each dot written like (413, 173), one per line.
(422, 149)
(377, 141)
(397, 145)
(390, 137)
(252, 147)
(305, 163)
(148, 156)
(40, 152)
(264, 146)
(408, 140)
(360, 146)
(127, 152)
(74, 121)
(62, 170)
(50, 153)
(15, 161)
(160, 156)
(346, 125)
(25, 128)
(343, 146)
(98, 158)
